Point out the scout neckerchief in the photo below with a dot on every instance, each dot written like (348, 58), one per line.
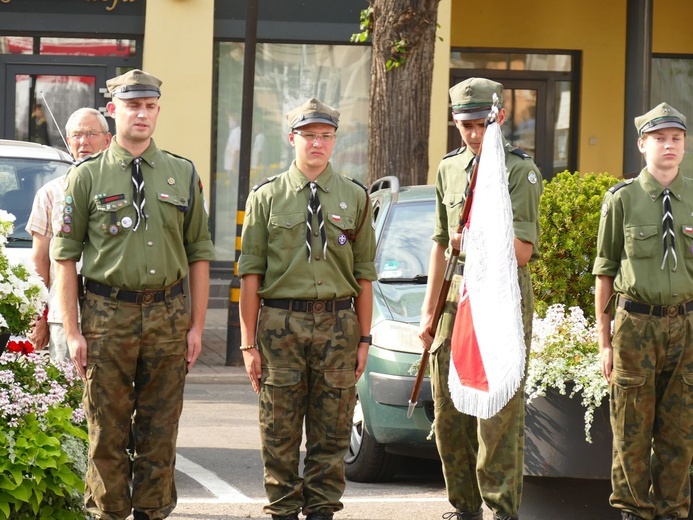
(138, 198)
(668, 237)
(314, 208)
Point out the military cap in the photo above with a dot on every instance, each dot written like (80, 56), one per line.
(312, 111)
(134, 84)
(473, 98)
(661, 116)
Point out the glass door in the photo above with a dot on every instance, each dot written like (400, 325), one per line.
(40, 98)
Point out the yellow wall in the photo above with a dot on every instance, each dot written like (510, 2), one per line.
(178, 49)
(438, 135)
(595, 27)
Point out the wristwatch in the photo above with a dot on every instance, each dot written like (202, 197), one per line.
(366, 339)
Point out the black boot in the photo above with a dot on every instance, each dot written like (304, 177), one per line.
(625, 515)
(320, 515)
(292, 516)
(464, 515)
(666, 517)
(496, 516)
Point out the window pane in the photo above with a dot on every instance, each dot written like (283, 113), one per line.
(510, 61)
(16, 45)
(87, 47)
(561, 142)
(519, 127)
(671, 83)
(286, 75)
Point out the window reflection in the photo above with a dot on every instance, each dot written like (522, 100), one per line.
(285, 76)
(69, 46)
(510, 61)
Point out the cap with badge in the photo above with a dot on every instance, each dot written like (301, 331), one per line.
(473, 98)
(661, 116)
(312, 111)
(134, 84)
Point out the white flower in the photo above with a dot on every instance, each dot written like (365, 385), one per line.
(565, 352)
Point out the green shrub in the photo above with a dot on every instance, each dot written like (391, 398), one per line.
(569, 214)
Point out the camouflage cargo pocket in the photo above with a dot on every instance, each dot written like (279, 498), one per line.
(626, 389)
(686, 399)
(341, 383)
(280, 402)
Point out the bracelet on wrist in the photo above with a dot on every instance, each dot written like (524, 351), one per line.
(366, 339)
(247, 347)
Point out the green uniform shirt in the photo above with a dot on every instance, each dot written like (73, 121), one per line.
(98, 217)
(524, 184)
(629, 242)
(273, 242)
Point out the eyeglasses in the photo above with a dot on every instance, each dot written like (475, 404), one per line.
(89, 135)
(313, 138)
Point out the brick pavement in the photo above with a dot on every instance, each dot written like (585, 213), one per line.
(211, 365)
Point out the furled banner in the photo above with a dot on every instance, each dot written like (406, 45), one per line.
(488, 349)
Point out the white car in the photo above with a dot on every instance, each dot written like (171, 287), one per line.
(24, 168)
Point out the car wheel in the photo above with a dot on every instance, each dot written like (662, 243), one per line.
(367, 460)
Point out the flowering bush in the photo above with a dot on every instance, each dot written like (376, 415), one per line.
(22, 292)
(43, 439)
(565, 352)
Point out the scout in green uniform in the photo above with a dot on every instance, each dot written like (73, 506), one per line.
(482, 459)
(306, 269)
(136, 215)
(644, 266)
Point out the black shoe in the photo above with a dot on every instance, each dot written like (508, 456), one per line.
(292, 516)
(139, 515)
(319, 515)
(625, 515)
(666, 517)
(463, 515)
(499, 517)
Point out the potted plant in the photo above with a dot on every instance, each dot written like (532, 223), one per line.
(568, 432)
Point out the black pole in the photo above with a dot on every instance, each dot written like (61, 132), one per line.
(233, 326)
(638, 71)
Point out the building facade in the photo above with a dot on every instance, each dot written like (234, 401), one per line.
(228, 82)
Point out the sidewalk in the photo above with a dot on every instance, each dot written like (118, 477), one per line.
(211, 365)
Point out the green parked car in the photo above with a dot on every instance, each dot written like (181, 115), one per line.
(382, 433)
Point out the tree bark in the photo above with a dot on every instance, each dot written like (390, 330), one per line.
(400, 98)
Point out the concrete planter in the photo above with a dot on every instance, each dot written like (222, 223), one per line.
(555, 443)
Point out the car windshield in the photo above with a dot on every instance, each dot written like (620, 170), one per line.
(404, 247)
(20, 178)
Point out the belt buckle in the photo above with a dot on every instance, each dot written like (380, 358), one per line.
(672, 310)
(147, 297)
(318, 307)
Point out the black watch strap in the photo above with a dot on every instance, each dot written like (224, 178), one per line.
(366, 339)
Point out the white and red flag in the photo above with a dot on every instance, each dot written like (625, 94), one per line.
(487, 360)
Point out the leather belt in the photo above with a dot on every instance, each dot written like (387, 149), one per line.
(654, 310)
(139, 297)
(314, 306)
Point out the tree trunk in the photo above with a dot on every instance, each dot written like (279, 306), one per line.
(400, 98)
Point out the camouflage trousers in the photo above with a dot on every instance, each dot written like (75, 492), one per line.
(308, 373)
(652, 414)
(135, 365)
(483, 460)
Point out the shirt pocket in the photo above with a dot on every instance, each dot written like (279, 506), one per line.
(173, 207)
(287, 230)
(340, 227)
(687, 233)
(115, 216)
(643, 241)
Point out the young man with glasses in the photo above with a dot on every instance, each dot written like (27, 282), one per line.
(306, 269)
(87, 134)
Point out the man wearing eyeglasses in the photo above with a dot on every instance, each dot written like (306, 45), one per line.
(306, 269)
(87, 134)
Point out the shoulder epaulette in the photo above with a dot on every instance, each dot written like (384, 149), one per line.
(266, 181)
(358, 184)
(455, 152)
(620, 185)
(177, 156)
(521, 153)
